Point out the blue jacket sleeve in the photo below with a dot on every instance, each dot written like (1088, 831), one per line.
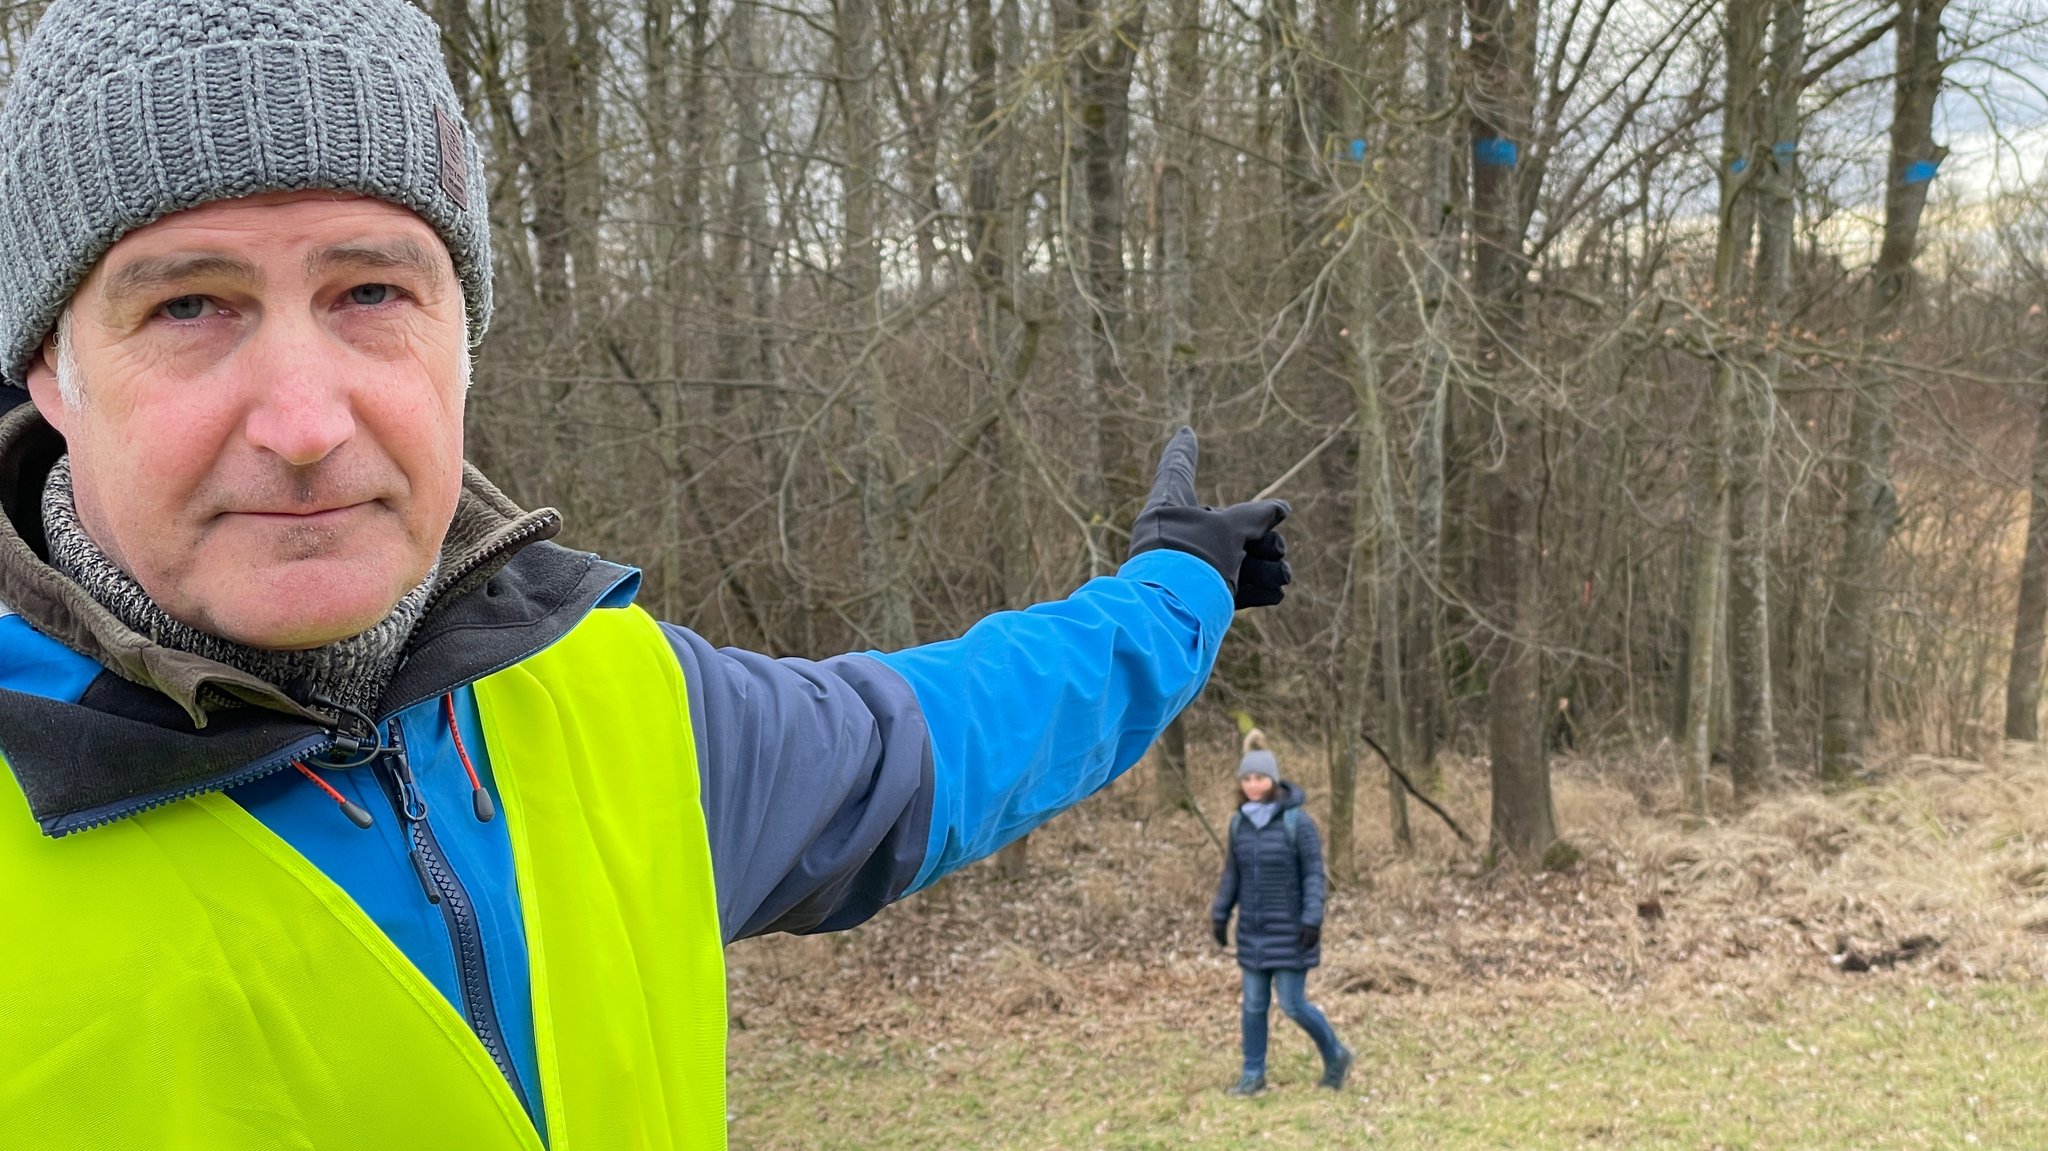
(1032, 711)
(832, 788)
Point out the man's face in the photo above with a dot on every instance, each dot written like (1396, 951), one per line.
(270, 434)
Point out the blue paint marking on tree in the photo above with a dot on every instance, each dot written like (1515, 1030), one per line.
(1358, 150)
(1494, 152)
(1920, 171)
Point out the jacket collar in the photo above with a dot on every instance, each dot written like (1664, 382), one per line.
(165, 724)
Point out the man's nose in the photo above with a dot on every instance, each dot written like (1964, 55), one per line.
(303, 405)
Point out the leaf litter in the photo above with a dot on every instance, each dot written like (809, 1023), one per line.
(1938, 867)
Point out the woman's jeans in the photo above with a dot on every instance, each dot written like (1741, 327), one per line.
(1293, 986)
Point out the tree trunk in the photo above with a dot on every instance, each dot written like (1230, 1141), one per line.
(552, 103)
(1872, 506)
(2023, 681)
(1099, 80)
(919, 109)
(1502, 61)
(1371, 617)
(885, 516)
(753, 357)
(586, 174)
(458, 45)
(1176, 327)
(1422, 665)
(1013, 862)
(1372, 628)
(1742, 36)
(1754, 750)
(667, 276)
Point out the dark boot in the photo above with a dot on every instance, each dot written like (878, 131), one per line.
(1335, 1070)
(1250, 1083)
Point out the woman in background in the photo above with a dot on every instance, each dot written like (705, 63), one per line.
(1273, 875)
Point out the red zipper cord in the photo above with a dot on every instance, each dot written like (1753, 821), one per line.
(480, 799)
(356, 812)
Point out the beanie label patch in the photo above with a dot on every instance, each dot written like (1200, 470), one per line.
(454, 164)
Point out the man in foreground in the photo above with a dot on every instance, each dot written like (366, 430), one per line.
(344, 810)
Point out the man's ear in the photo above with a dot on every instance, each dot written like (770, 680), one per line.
(42, 386)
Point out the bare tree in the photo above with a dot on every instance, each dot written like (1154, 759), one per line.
(1177, 324)
(1871, 504)
(1743, 24)
(1503, 62)
(1440, 221)
(1101, 49)
(1753, 758)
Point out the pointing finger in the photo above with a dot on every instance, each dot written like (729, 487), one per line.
(1174, 486)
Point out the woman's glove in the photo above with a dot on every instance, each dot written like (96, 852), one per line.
(1221, 929)
(1311, 935)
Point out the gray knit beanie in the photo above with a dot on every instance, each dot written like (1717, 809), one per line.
(1258, 760)
(125, 111)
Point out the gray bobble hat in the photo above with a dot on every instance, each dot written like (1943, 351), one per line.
(1258, 761)
(125, 111)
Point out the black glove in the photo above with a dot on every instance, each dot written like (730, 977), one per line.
(1311, 935)
(1221, 929)
(1238, 541)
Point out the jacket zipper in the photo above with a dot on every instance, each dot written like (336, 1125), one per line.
(114, 813)
(438, 880)
(309, 750)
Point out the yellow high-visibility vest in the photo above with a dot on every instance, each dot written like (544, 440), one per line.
(185, 979)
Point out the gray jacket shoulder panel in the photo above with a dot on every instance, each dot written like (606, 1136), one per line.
(816, 779)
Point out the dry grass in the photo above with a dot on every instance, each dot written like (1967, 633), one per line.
(1103, 953)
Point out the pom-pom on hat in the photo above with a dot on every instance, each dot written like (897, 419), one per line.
(1258, 759)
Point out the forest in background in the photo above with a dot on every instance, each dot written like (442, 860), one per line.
(1660, 375)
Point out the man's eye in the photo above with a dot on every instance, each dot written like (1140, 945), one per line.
(185, 308)
(370, 295)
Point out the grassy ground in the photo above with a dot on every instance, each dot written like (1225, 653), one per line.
(1887, 1063)
(1673, 989)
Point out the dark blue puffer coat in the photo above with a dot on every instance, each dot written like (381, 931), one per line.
(1276, 889)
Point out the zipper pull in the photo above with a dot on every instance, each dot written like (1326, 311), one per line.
(419, 868)
(356, 813)
(412, 806)
(479, 799)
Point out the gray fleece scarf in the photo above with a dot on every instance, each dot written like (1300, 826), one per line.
(351, 672)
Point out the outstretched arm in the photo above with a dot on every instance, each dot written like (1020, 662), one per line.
(1030, 712)
(832, 788)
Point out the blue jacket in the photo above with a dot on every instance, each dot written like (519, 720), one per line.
(1276, 886)
(830, 788)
